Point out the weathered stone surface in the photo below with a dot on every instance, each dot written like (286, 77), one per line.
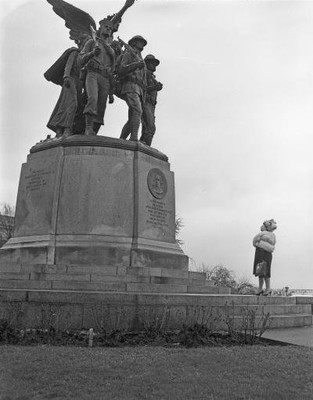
(94, 286)
(154, 259)
(13, 295)
(158, 288)
(287, 309)
(96, 192)
(95, 201)
(197, 275)
(171, 273)
(24, 284)
(28, 250)
(37, 200)
(305, 300)
(8, 275)
(85, 253)
(204, 289)
(92, 269)
(60, 277)
(288, 321)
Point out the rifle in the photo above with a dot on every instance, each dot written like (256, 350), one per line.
(127, 47)
(94, 35)
(96, 40)
(123, 71)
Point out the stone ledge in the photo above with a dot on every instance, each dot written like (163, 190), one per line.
(152, 298)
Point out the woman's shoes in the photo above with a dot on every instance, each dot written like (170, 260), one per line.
(264, 293)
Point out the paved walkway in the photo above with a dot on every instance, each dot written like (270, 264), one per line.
(302, 336)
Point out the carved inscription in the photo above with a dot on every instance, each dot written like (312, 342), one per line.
(37, 179)
(157, 213)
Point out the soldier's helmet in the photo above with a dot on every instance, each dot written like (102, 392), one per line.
(151, 58)
(137, 37)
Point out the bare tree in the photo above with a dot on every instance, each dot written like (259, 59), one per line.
(7, 213)
(222, 276)
(244, 285)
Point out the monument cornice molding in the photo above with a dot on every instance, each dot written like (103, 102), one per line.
(98, 141)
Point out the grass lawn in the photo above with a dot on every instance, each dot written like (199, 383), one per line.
(142, 372)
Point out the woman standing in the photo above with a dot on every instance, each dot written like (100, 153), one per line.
(264, 242)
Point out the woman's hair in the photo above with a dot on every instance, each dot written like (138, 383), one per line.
(269, 224)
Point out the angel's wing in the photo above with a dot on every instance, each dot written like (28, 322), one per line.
(76, 20)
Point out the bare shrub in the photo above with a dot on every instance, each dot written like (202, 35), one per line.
(245, 324)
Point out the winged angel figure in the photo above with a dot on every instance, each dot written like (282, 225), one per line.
(84, 71)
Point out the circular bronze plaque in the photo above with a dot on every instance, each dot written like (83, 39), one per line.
(157, 183)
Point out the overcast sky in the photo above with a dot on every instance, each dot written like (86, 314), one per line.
(235, 116)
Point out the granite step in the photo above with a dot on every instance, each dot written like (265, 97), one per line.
(87, 282)
(275, 321)
(10, 268)
(61, 269)
(285, 309)
(273, 310)
(155, 288)
(95, 277)
(62, 285)
(288, 321)
(166, 273)
(140, 283)
(208, 289)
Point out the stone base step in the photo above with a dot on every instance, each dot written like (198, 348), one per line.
(94, 272)
(272, 309)
(105, 278)
(120, 285)
(288, 321)
(150, 298)
(275, 321)
(124, 310)
(10, 269)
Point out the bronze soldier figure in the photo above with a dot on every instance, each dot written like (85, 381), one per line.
(148, 115)
(132, 73)
(66, 73)
(98, 58)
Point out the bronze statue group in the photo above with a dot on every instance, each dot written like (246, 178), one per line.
(98, 69)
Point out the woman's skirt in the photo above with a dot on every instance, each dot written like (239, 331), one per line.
(263, 255)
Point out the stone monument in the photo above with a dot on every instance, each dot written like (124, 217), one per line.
(88, 202)
(96, 215)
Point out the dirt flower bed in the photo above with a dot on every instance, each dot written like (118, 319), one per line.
(188, 336)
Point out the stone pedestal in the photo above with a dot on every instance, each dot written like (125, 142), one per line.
(95, 201)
